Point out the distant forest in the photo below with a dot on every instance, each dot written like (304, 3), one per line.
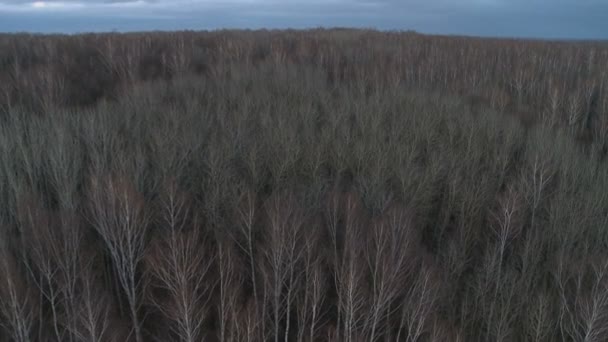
(319, 185)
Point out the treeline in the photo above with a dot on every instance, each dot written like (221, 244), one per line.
(327, 185)
(559, 83)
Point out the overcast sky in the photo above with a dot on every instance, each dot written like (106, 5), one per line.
(514, 18)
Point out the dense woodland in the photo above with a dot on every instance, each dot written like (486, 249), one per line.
(320, 185)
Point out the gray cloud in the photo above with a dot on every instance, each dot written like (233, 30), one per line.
(531, 18)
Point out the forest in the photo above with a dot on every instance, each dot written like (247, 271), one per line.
(302, 185)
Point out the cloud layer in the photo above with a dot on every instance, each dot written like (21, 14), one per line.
(531, 18)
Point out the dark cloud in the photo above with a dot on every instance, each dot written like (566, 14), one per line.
(531, 18)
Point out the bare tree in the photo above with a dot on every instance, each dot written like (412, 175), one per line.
(49, 88)
(16, 303)
(94, 310)
(418, 306)
(518, 83)
(46, 251)
(246, 216)
(593, 310)
(542, 321)
(539, 174)
(117, 211)
(178, 60)
(345, 220)
(6, 96)
(575, 110)
(229, 287)
(312, 284)
(282, 255)
(181, 266)
(555, 105)
(391, 258)
(506, 226)
(247, 325)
